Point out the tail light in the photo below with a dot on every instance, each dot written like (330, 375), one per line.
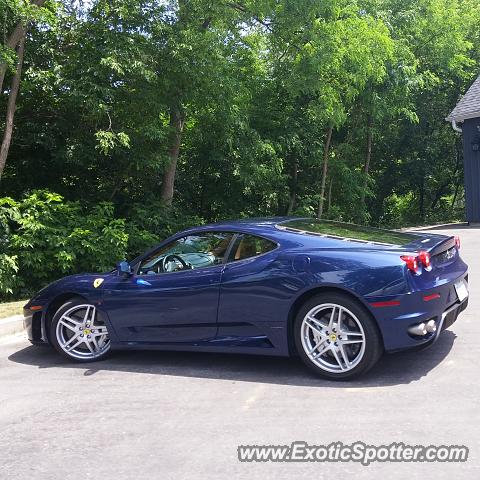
(424, 257)
(411, 261)
(457, 242)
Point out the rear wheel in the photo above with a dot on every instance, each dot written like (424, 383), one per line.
(79, 332)
(336, 337)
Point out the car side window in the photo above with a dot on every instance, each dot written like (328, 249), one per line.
(200, 250)
(247, 246)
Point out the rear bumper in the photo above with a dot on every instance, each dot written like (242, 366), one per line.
(450, 316)
(411, 309)
(447, 319)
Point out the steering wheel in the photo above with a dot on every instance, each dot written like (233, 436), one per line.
(172, 258)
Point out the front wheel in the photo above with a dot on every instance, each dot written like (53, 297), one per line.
(79, 332)
(336, 337)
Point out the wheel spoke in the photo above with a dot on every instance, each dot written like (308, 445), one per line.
(71, 340)
(314, 327)
(75, 345)
(340, 316)
(89, 346)
(351, 334)
(69, 323)
(339, 319)
(100, 331)
(318, 322)
(350, 342)
(89, 314)
(101, 341)
(332, 318)
(322, 351)
(322, 341)
(344, 355)
(85, 317)
(337, 359)
(93, 340)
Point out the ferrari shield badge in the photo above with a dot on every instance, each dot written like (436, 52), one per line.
(97, 282)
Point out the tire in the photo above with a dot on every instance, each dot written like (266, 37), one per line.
(78, 331)
(333, 349)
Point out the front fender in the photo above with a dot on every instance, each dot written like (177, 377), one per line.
(50, 298)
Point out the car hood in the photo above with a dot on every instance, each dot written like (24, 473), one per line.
(80, 283)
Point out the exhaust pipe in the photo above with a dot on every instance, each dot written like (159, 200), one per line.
(431, 326)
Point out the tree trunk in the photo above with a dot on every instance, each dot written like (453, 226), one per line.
(329, 200)
(443, 188)
(13, 40)
(11, 106)
(293, 189)
(455, 195)
(177, 121)
(326, 151)
(366, 168)
(422, 197)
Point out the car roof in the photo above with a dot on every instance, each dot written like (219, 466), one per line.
(257, 225)
(274, 228)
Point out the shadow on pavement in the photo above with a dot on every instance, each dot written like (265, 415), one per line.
(394, 369)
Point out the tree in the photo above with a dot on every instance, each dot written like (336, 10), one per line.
(25, 11)
(333, 50)
(11, 105)
(226, 107)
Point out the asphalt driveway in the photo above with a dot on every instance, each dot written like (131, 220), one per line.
(182, 415)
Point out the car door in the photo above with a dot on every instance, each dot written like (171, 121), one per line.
(171, 303)
(251, 282)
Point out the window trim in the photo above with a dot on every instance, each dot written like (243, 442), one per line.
(239, 234)
(235, 235)
(177, 237)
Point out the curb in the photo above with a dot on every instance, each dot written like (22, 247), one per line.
(440, 226)
(11, 325)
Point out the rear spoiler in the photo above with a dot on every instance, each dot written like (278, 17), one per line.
(431, 243)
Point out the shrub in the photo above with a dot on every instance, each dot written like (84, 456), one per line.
(45, 238)
(8, 274)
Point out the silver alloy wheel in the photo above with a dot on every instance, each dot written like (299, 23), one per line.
(333, 338)
(81, 333)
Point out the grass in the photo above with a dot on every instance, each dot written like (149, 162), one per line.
(11, 308)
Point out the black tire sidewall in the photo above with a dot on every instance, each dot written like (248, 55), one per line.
(373, 339)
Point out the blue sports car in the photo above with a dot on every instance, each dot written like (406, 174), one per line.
(336, 294)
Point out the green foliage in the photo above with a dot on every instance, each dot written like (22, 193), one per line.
(258, 83)
(8, 271)
(45, 237)
(25, 11)
(152, 222)
(50, 238)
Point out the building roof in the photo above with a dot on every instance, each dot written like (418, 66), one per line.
(469, 104)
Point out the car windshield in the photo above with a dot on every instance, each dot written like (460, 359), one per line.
(348, 230)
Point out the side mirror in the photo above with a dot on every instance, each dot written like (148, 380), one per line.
(124, 268)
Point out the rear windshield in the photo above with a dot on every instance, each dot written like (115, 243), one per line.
(348, 230)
